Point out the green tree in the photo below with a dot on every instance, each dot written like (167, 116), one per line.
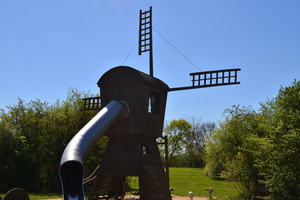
(278, 160)
(196, 142)
(229, 151)
(186, 142)
(177, 132)
(33, 137)
(260, 150)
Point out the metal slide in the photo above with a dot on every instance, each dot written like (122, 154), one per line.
(71, 165)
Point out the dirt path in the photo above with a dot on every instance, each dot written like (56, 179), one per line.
(179, 198)
(187, 198)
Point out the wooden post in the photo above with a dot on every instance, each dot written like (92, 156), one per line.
(151, 47)
(167, 160)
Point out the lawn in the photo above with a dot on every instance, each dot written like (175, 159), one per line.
(40, 196)
(183, 180)
(44, 196)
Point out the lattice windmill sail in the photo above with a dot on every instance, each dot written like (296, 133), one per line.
(199, 79)
(132, 150)
(145, 36)
(91, 103)
(211, 79)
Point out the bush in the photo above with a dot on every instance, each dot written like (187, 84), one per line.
(33, 137)
(260, 150)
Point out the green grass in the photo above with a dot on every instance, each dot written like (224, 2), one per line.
(44, 196)
(183, 180)
(40, 196)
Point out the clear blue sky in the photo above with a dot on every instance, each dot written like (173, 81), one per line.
(48, 46)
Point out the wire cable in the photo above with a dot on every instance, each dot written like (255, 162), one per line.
(130, 52)
(175, 48)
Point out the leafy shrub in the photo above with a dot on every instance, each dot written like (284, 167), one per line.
(260, 150)
(33, 137)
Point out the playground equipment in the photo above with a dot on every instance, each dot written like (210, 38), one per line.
(210, 190)
(191, 195)
(71, 170)
(16, 194)
(132, 119)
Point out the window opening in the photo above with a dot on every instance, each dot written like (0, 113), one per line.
(146, 150)
(154, 103)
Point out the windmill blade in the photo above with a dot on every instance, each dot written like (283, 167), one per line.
(91, 103)
(145, 36)
(211, 79)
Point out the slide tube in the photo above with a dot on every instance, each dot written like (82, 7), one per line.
(71, 165)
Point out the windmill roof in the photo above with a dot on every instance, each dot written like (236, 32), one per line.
(124, 75)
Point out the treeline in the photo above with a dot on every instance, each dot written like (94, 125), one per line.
(34, 135)
(32, 138)
(260, 150)
(186, 142)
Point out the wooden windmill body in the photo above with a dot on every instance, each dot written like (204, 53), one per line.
(132, 148)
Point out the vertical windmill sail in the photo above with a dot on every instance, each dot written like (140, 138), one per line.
(145, 36)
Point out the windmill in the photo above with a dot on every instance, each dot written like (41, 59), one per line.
(132, 149)
(199, 79)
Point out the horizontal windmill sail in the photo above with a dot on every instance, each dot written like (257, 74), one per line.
(91, 103)
(211, 79)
